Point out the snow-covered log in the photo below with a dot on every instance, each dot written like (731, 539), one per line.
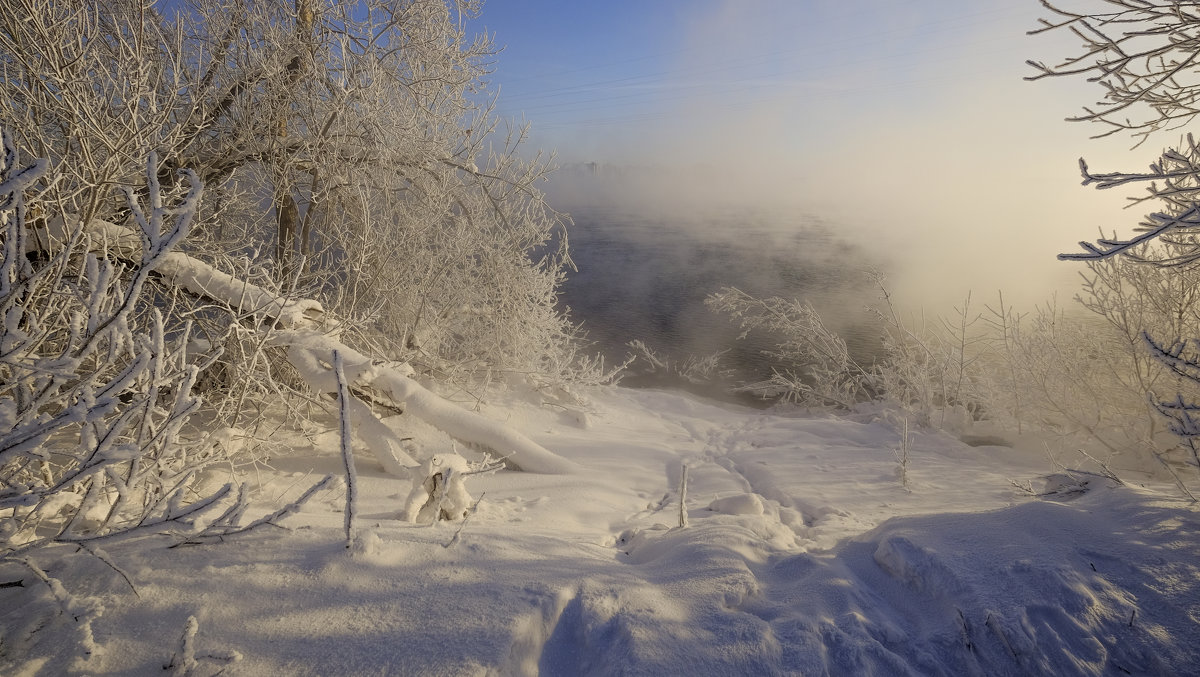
(390, 385)
(310, 350)
(180, 270)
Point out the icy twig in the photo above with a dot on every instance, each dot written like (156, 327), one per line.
(103, 557)
(902, 454)
(1026, 487)
(683, 485)
(461, 525)
(289, 509)
(1105, 471)
(216, 532)
(347, 451)
(183, 661)
(81, 611)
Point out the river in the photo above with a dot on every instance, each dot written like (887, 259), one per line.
(644, 274)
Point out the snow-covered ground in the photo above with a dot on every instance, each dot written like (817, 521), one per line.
(804, 553)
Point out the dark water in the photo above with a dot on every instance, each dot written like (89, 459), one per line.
(645, 276)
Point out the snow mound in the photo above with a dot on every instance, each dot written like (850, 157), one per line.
(1036, 589)
(741, 504)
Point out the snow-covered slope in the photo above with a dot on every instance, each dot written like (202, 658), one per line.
(804, 554)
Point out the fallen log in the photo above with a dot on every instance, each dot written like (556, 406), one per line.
(299, 326)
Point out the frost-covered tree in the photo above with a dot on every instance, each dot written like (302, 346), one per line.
(1146, 58)
(347, 154)
(348, 150)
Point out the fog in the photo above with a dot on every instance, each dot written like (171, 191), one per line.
(908, 134)
(912, 129)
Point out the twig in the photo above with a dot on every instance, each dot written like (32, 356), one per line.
(1107, 472)
(1027, 487)
(183, 661)
(103, 557)
(474, 506)
(902, 455)
(285, 511)
(347, 451)
(683, 484)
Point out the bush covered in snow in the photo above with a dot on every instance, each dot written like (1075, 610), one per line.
(349, 154)
(96, 388)
(1084, 379)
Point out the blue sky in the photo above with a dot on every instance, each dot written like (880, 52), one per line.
(908, 121)
(603, 78)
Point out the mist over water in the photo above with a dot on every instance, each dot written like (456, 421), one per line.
(644, 272)
(786, 157)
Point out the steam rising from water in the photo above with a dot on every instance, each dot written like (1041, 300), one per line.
(787, 147)
(644, 274)
(651, 243)
(906, 130)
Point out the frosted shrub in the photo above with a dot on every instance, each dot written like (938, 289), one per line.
(94, 396)
(694, 369)
(815, 367)
(1051, 371)
(1083, 378)
(924, 371)
(929, 370)
(1135, 302)
(1071, 375)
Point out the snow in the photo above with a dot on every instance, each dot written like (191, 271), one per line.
(804, 554)
(307, 349)
(439, 489)
(199, 278)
